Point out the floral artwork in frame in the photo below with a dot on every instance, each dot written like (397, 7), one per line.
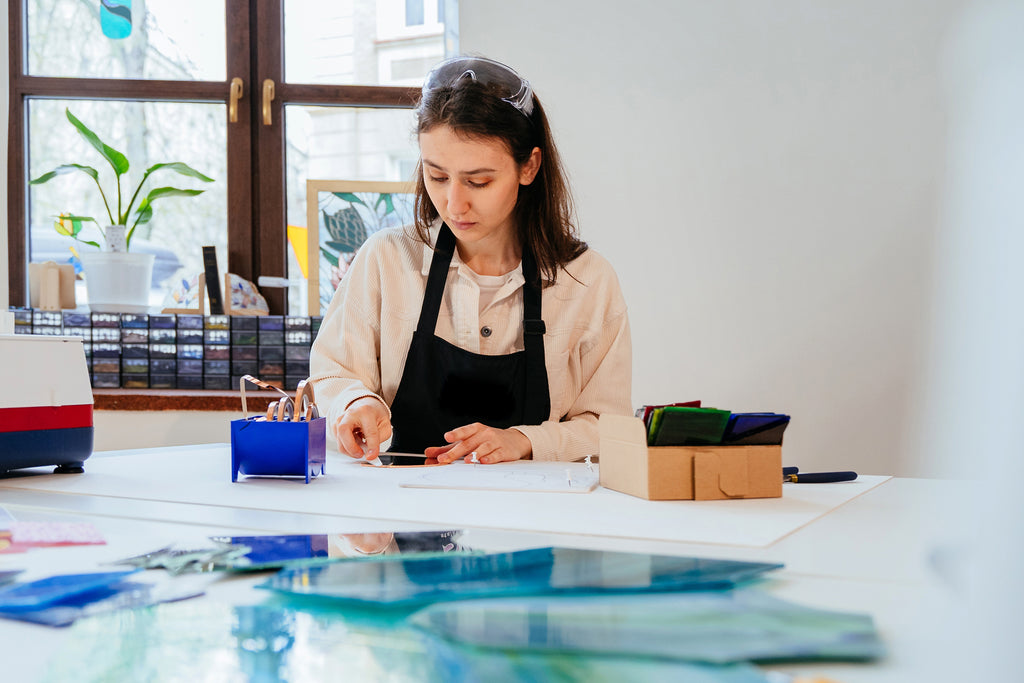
(342, 215)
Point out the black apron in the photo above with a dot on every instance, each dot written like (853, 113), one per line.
(444, 387)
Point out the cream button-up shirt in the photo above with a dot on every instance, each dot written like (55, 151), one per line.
(366, 331)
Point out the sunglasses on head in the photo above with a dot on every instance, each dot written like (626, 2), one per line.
(510, 86)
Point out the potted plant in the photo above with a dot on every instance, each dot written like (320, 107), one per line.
(116, 279)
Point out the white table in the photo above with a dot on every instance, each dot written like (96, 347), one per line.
(871, 554)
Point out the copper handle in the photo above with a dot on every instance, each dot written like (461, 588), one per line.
(268, 97)
(236, 94)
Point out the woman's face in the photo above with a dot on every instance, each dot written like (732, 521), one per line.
(474, 183)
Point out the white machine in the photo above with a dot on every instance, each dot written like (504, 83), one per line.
(45, 403)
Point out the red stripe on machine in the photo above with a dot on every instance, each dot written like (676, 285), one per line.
(45, 417)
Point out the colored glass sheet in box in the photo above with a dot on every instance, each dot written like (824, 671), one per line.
(244, 322)
(136, 320)
(218, 382)
(106, 320)
(188, 336)
(159, 335)
(683, 426)
(271, 322)
(74, 319)
(190, 322)
(157, 381)
(163, 351)
(217, 322)
(134, 335)
(702, 626)
(540, 571)
(755, 429)
(162, 321)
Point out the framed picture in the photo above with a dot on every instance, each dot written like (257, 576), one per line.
(341, 215)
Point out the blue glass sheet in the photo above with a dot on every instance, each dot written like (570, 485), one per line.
(61, 600)
(719, 627)
(540, 571)
(65, 588)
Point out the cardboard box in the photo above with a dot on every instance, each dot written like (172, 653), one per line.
(684, 472)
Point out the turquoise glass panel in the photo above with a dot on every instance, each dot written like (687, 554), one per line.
(540, 571)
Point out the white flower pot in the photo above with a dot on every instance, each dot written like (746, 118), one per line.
(118, 282)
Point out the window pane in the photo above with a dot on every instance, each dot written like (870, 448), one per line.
(366, 42)
(147, 133)
(167, 39)
(341, 143)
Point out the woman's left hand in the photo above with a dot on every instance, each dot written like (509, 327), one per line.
(490, 444)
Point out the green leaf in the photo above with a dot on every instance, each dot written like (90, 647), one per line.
(117, 161)
(159, 192)
(331, 258)
(180, 167)
(349, 197)
(389, 203)
(145, 212)
(65, 168)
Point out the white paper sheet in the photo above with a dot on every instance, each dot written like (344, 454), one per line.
(202, 476)
(551, 477)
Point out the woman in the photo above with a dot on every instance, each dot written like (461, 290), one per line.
(486, 331)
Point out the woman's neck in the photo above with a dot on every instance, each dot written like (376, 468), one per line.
(485, 258)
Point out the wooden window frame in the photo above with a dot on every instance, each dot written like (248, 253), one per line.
(257, 241)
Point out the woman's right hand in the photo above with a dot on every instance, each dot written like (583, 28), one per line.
(362, 428)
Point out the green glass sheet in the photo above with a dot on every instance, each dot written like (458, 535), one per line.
(720, 626)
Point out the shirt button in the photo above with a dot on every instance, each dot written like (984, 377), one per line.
(485, 331)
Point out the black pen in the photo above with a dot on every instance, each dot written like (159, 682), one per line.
(819, 477)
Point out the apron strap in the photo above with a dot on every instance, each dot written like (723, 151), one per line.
(443, 250)
(533, 340)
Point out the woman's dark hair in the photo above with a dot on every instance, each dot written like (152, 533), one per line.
(544, 209)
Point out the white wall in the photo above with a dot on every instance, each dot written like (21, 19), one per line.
(764, 177)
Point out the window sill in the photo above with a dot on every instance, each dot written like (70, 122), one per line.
(181, 399)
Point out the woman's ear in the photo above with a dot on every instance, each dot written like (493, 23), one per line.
(528, 171)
